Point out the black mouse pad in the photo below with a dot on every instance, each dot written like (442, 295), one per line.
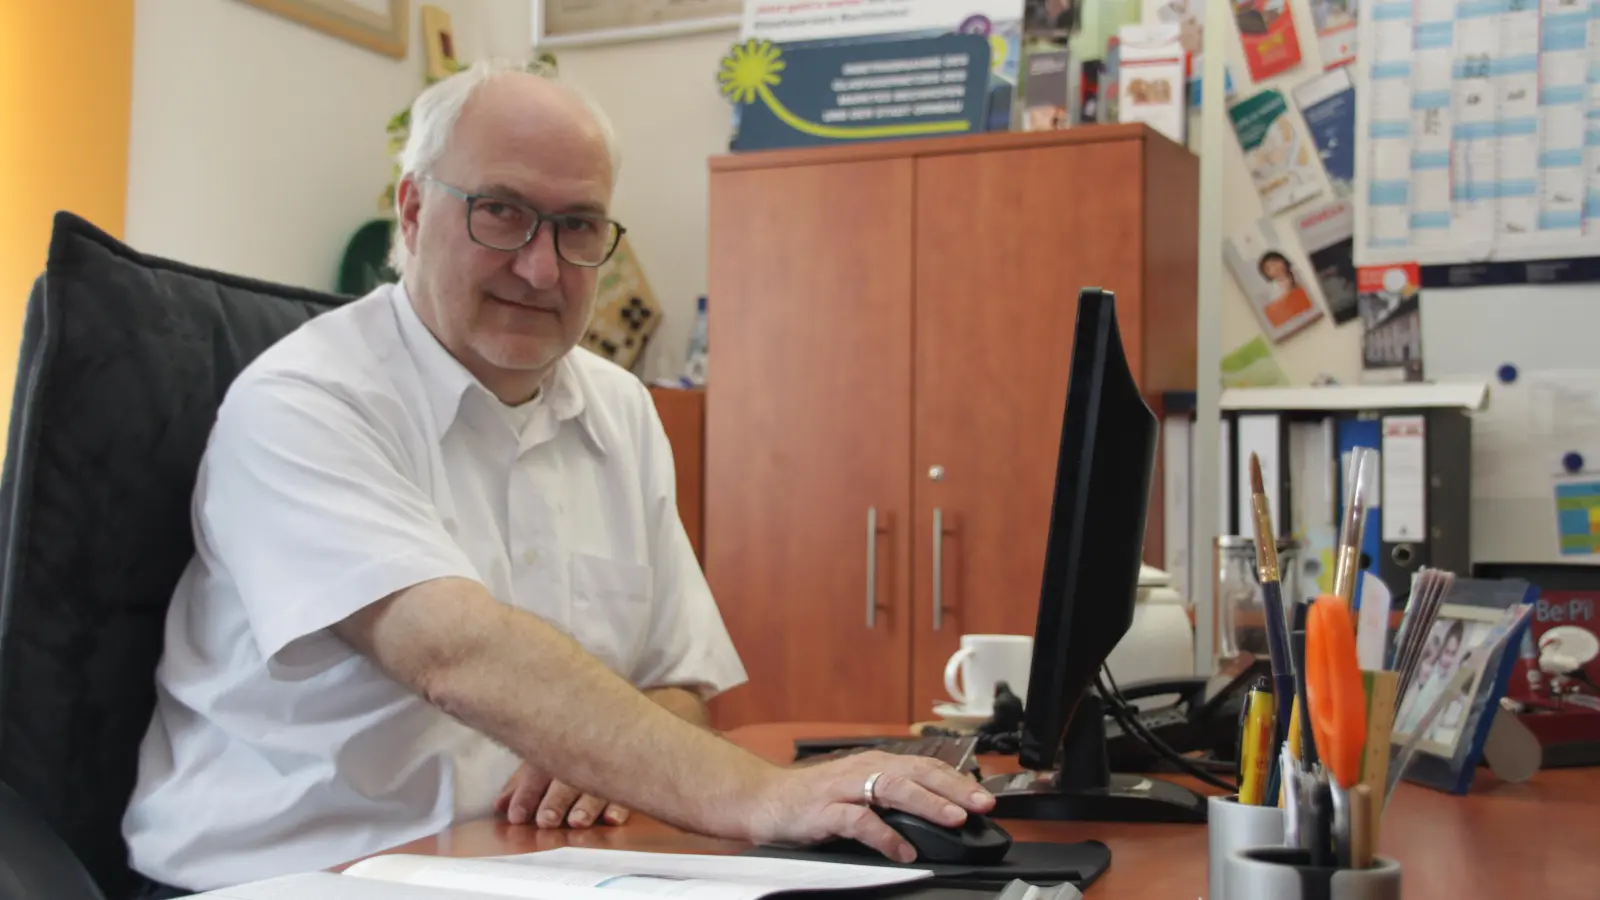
(1036, 863)
(927, 889)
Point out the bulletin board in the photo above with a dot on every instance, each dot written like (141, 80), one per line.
(1536, 447)
(1329, 345)
(1530, 503)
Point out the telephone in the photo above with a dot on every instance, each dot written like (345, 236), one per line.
(1204, 716)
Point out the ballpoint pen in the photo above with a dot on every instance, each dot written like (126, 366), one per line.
(1283, 679)
(1255, 745)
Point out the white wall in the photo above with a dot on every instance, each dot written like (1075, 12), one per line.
(257, 145)
(662, 194)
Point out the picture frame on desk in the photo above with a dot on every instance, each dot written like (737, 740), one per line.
(1457, 630)
(1448, 755)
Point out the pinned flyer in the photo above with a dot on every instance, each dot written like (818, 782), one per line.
(1328, 103)
(1282, 159)
(1336, 31)
(1389, 299)
(1266, 28)
(1274, 283)
(1328, 236)
(1578, 516)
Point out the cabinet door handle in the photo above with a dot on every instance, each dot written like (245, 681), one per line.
(872, 567)
(938, 568)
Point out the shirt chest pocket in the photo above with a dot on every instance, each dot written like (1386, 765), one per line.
(611, 609)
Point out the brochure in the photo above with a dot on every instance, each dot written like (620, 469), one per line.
(1190, 17)
(1045, 92)
(1389, 299)
(1266, 29)
(1328, 103)
(1281, 159)
(1277, 294)
(1328, 237)
(1251, 365)
(1336, 31)
(1151, 72)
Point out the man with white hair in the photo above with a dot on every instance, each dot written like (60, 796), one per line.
(439, 566)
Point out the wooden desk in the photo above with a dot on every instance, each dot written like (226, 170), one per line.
(1526, 841)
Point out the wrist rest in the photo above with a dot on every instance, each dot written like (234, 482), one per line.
(1034, 862)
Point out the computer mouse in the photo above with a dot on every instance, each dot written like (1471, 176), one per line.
(977, 841)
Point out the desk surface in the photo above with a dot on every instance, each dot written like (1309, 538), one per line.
(1535, 840)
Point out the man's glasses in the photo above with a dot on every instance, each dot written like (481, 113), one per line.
(501, 224)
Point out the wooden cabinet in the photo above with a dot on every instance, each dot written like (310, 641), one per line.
(893, 328)
(683, 418)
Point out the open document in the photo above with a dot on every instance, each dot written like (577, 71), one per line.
(570, 873)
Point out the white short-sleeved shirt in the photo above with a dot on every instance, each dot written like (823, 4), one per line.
(355, 458)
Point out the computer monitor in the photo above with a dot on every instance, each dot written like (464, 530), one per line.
(1104, 470)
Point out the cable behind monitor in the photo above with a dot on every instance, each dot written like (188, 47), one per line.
(1119, 707)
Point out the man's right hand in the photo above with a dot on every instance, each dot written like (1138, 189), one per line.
(470, 655)
(816, 802)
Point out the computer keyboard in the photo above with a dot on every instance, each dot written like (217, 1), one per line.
(957, 751)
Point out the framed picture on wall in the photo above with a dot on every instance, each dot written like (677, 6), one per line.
(378, 25)
(570, 23)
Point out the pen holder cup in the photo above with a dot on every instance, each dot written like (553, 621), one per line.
(1286, 873)
(1232, 826)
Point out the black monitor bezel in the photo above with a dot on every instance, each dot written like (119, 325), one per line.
(1097, 354)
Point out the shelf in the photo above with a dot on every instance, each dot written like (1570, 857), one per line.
(1468, 395)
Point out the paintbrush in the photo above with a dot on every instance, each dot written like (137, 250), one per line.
(1360, 484)
(1283, 684)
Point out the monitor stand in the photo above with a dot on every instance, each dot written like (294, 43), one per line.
(1082, 789)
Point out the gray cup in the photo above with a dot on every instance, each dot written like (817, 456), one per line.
(1286, 873)
(1231, 826)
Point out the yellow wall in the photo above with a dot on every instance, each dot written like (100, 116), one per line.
(66, 74)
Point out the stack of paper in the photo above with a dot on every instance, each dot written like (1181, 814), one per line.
(570, 873)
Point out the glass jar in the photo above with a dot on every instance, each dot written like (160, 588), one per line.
(1241, 624)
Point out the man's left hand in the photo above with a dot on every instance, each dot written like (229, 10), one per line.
(534, 797)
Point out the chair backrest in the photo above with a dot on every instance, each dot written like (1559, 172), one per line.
(34, 860)
(124, 360)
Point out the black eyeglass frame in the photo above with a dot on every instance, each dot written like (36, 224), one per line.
(539, 218)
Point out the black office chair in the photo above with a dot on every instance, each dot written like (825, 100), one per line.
(124, 361)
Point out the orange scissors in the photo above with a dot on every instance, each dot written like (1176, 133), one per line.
(1334, 689)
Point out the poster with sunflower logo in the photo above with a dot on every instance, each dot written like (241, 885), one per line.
(882, 90)
(792, 26)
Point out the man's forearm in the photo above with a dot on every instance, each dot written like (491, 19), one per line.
(683, 703)
(510, 675)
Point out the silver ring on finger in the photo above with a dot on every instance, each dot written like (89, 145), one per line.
(870, 791)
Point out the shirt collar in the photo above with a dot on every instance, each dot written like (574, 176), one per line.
(446, 381)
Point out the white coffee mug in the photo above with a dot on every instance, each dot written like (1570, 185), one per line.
(983, 661)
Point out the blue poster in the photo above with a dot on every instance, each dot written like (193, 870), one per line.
(842, 93)
(1329, 106)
